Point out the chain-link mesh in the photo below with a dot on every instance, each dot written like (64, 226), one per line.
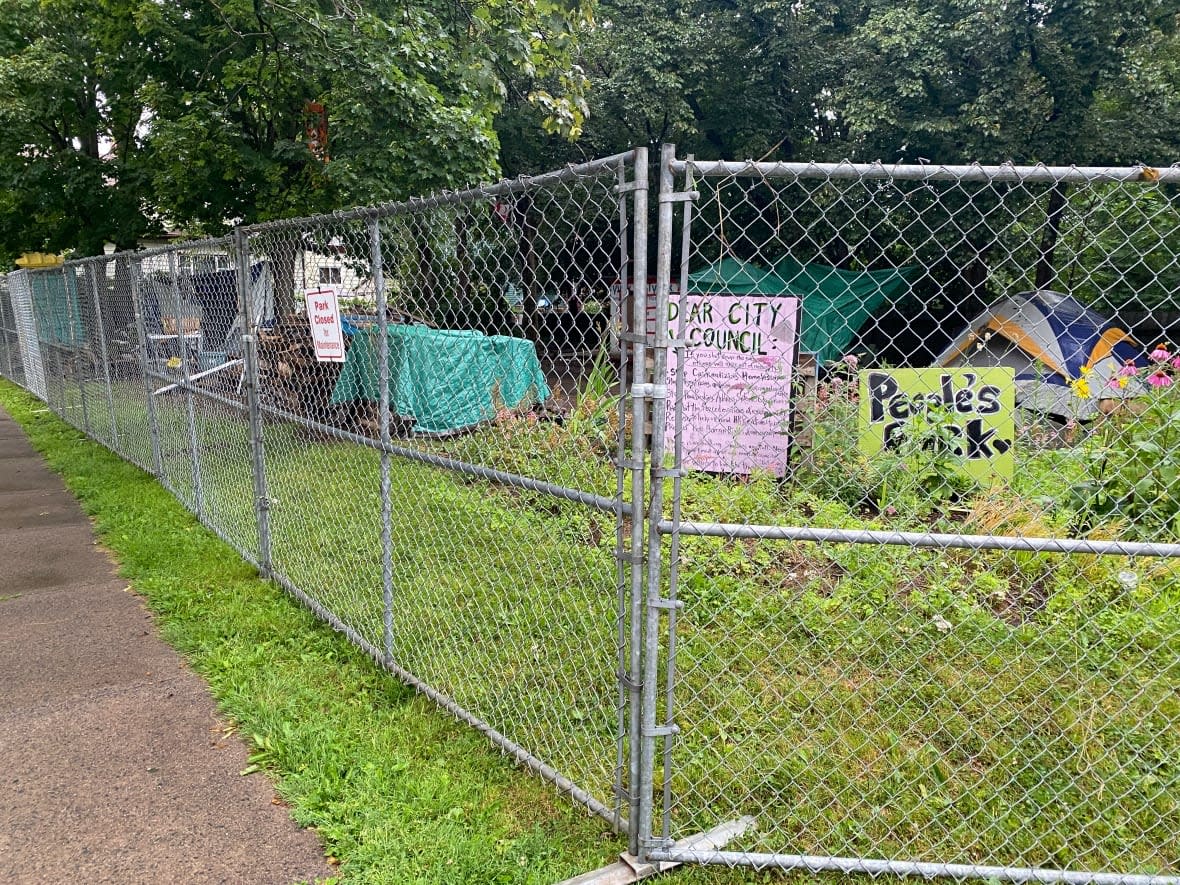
(413, 418)
(490, 411)
(11, 360)
(879, 655)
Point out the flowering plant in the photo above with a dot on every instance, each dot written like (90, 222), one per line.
(1132, 460)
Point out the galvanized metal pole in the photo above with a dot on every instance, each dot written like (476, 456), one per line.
(622, 600)
(250, 325)
(677, 483)
(135, 269)
(382, 332)
(102, 349)
(656, 604)
(182, 349)
(639, 786)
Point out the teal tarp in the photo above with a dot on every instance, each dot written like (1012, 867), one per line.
(55, 305)
(836, 302)
(445, 381)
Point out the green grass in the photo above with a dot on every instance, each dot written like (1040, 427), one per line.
(961, 706)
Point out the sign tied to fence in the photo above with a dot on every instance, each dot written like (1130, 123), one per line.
(979, 403)
(327, 331)
(738, 368)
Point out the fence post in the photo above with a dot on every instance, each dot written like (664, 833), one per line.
(250, 373)
(182, 350)
(656, 392)
(102, 349)
(374, 226)
(640, 786)
(135, 268)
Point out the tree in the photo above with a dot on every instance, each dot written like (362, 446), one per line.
(125, 112)
(990, 80)
(70, 174)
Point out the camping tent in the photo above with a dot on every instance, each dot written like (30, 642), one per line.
(835, 302)
(1045, 338)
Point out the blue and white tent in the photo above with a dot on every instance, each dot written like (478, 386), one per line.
(1046, 338)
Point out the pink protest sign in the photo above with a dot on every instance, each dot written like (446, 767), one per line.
(738, 368)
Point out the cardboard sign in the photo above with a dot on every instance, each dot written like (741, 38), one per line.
(323, 315)
(738, 368)
(982, 402)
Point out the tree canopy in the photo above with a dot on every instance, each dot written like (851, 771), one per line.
(121, 114)
(1064, 81)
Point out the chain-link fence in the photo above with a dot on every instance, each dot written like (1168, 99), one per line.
(922, 620)
(410, 417)
(857, 521)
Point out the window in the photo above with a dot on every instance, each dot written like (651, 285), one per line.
(329, 275)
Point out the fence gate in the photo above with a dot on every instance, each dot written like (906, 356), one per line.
(919, 622)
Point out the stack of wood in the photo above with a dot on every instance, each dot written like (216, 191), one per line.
(291, 377)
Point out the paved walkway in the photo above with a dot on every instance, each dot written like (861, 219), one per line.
(113, 764)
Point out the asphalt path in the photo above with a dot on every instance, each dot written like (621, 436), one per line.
(114, 766)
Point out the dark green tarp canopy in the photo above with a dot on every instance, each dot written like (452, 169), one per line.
(836, 302)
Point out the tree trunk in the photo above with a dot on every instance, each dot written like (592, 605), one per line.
(1046, 272)
(283, 251)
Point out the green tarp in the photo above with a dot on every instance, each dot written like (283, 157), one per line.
(836, 302)
(445, 381)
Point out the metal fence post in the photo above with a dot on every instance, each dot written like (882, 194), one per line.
(250, 373)
(102, 347)
(182, 349)
(374, 227)
(638, 787)
(656, 391)
(134, 269)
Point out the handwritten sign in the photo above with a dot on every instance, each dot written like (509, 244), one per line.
(981, 402)
(738, 368)
(323, 315)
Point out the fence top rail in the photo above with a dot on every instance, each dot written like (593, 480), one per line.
(571, 172)
(930, 172)
(225, 242)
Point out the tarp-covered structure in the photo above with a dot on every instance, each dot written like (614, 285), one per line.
(1046, 338)
(836, 302)
(443, 381)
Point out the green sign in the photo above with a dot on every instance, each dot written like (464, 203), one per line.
(980, 401)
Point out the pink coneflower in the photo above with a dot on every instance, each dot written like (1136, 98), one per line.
(1159, 378)
(851, 360)
(1160, 354)
(1129, 369)
(1176, 363)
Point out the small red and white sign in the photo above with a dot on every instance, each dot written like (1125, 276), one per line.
(323, 315)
